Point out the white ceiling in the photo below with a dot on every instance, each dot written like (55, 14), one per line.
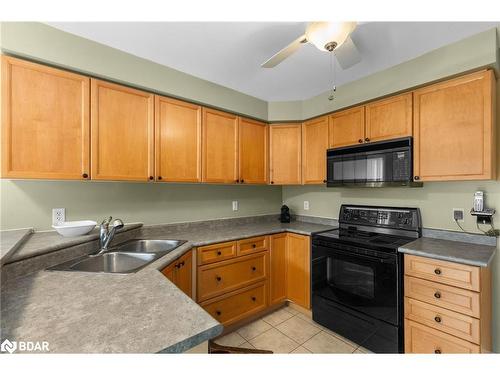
(230, 54)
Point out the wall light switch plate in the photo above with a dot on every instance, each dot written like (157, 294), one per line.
(58, 216)
(458, 214)
(306, 205)
(235, 205)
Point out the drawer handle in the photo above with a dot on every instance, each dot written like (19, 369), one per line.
(437, 295)
(218, 278)
(254, 269)
(219, 252)
(254, 245)
(437, 319)
(254, 299)
(218, 313)
(437, 351)
(437, 271)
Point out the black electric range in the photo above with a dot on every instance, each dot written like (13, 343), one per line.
(357, 275)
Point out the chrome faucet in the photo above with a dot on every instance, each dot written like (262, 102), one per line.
(106, 234)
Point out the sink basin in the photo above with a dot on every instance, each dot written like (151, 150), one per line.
(125, 258)
(114, 262)
(148, 246)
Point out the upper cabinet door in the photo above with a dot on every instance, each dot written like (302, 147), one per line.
(122, 132)
(285, 154)
(314, 146)
(178, 140)
(45, 122)
(389, 118)
(453, 134)
(253, 152)
(347, 127)
(220, 147)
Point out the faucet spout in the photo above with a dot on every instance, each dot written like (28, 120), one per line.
(106, 234)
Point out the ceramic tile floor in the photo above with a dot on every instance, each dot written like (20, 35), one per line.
(288, 331)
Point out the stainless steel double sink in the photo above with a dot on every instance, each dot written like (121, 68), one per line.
(128, 257)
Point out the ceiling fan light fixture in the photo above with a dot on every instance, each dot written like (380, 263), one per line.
(327, 36)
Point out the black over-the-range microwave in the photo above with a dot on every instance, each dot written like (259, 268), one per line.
(385, 163)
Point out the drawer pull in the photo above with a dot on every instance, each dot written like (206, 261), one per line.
(437, 295)
(254, 299)
(437, 271)
(254, 269)
(218, 278)
(437, 319)
(219, 252)
(218, 313)
(437, 351)
(254, 245)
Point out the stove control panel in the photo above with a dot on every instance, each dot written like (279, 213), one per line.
(401, 218)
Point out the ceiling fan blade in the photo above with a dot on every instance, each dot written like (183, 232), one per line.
(285, 52)
(347, 54)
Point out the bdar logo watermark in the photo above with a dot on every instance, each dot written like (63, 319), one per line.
(24, 346)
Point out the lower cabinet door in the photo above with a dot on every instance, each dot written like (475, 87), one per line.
(277, 269)
(298, 269)
(180, 273)
(232, 307)
(424, 340)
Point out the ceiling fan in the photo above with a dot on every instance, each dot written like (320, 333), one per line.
(326, 36)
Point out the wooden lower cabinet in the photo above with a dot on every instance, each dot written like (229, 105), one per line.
(255, 275)
(180, 273)
(424, 340)
(441, 317)
(239, 304)
(298, 269)
(277, 268)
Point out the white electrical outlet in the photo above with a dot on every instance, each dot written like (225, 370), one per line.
(306, 205)
(58, 216)
(235, 205)
(458, 214)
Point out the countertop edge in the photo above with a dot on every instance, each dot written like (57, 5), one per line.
(192, 341)
(446, 258)
(22, 240)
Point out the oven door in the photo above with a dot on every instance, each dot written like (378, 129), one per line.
(366, 282)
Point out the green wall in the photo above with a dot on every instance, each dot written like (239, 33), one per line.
(30, 203)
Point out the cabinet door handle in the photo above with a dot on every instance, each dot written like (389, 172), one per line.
(254, 245)
(218, 313)
(151, 178)
(437, 319)
(437, 271)
(437, 351)
(416, 178)
(254, 269)
(242, 181)
(367, 139)
(237, 181)
(324, 181)
(437, 295)
(85, 175)
(254, 299)
(272, 182)
(218, 278)
(360, 140)
(159, 177)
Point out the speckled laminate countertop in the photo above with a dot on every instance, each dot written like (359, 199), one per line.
(453, 251)
(140, 313)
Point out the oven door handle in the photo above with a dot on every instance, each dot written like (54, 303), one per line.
(389, 260)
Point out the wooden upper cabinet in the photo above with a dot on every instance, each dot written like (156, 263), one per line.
(389, 118)
(252, 152)
(314, 146)
(45, 122)
(177, 140)
(347, 127)
(122, 132)
(454, 129)
(285, 154)
(220, 147)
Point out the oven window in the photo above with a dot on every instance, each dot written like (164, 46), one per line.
(352, 278)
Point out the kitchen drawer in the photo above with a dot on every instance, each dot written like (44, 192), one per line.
(448, 273)
(226, 276)
(425, 340)
(251, 245)
(214, 253)
(456, 324)
(448, 297)
(237, 305)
